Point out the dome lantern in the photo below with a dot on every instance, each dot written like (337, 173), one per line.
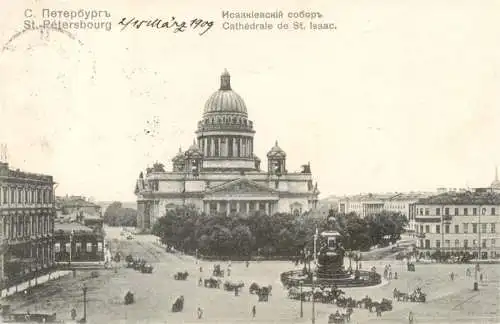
(225, 81)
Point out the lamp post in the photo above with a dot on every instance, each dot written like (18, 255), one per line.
(315, 252)
(482, 211)
(84, 320)
(301, 300)
(313, 320)
(71, 245)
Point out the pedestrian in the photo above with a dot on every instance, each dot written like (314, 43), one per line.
(390, 275)
(481, 277)
(201, 269)
(200, 313)
(395, 275)
(228, 272)
(200, 282)
(379, 311)
(236, 291)
(410, 318)
(73, 314)
(254, 311)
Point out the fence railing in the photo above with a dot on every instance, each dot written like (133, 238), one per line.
(366, 278)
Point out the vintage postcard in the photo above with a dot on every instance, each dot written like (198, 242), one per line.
(249, 162)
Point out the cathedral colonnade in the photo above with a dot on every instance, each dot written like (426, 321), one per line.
(239, 205)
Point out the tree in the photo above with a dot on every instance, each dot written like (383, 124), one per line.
(116, 215)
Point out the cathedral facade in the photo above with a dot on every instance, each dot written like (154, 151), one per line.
(220, 174)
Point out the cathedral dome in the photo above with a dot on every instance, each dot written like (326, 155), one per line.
(225, 100)
(193, 151)
(276, 151)
(179, 156)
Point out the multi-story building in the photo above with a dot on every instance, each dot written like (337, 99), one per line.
(75, 242)
(27, 218)
(370, 204)
(220, 173)
(458, 223)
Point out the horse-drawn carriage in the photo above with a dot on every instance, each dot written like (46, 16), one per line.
(231, 286)
(217, 272)
(337, 318)
(129, 258)
(417, 296)
(383, 306)
(146, 268)
(181, 275)
(129, 298)
(178, 305)
(295, 293)
(264, 292)
(212, 283)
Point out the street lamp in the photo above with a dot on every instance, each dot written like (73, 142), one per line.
(301, 300)
(313, 321)
(84, 288)
(481, 212)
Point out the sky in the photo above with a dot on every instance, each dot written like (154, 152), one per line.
(402, 96)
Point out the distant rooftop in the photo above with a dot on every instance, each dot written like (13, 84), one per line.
(477, 197)
(392, 196)
(68, 227)
(6, 171)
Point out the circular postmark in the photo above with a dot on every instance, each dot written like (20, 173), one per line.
(47, 36)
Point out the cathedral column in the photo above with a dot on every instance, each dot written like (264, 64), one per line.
(212, 146)
(235, 150)
(248, 207)
(267, 209)
(228, 207)
(237, 206)
(218, 206)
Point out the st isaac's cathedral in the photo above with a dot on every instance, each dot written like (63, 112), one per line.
(220, 173)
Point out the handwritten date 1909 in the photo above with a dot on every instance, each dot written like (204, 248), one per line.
(177, 26)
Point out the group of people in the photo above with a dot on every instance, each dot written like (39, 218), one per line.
(388, 273)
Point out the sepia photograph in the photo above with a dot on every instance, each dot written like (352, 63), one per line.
(324, 162)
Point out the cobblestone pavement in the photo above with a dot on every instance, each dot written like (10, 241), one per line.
(448, 301)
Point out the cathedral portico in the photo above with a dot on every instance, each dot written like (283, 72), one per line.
(220, 172)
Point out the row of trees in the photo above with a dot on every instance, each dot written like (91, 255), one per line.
(117, 215)
(242, 236)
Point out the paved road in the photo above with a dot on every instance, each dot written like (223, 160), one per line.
(448, 302)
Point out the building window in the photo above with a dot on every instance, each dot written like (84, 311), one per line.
(466, 228)
(99, 246)
(466, 244)
(438, 244)
(89, 247)
(456, 211)
(447, 211)
(68, 247)
(474, 211)
(457, 243)
(466, 212)
(457, 229)
(78, 247)
(447, 229)
(57, 247)
(427, 244)
(421, 228)
(493, 242)
(427, 229)
(474, 243)
(421, 212)
(438, 229)
(492, 225)
(427, 212)
(438, 211)
(483, 243)
(483, 228)
(493, 211)
(474, 228)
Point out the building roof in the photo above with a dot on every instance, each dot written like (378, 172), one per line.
(225, 100)
(276, 151)
(68, 227)
(74, 202)
(478, 197)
